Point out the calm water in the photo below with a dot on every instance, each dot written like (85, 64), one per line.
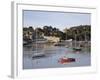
(53, 53)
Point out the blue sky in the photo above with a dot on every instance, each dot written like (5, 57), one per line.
(59, 20)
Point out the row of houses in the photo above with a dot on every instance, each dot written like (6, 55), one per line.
(33, 36)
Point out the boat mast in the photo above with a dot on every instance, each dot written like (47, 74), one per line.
(75, 40)
(66, 37)
(85, 35)
(78, 39)
(36, 42)
(85, 38)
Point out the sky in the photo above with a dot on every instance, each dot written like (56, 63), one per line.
(59, 20)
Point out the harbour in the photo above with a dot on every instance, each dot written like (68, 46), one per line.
(52, 55)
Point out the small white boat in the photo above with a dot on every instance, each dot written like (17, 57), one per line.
(66, 46)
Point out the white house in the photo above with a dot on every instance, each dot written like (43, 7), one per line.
(52, 39)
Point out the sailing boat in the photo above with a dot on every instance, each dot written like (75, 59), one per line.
(66, 41)
(39, 52)
(77, 48)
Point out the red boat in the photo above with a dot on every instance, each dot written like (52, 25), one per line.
(66, 60)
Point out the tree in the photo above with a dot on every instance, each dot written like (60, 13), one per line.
(82, 32)
(30, 29)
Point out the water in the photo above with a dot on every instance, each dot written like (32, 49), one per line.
(53, 54)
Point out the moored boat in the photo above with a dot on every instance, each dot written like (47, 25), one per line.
(38, 55)
(77, 49)
(66, 60)
(67, 46)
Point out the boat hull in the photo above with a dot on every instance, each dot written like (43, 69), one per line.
(66, 60)
(77, 49)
